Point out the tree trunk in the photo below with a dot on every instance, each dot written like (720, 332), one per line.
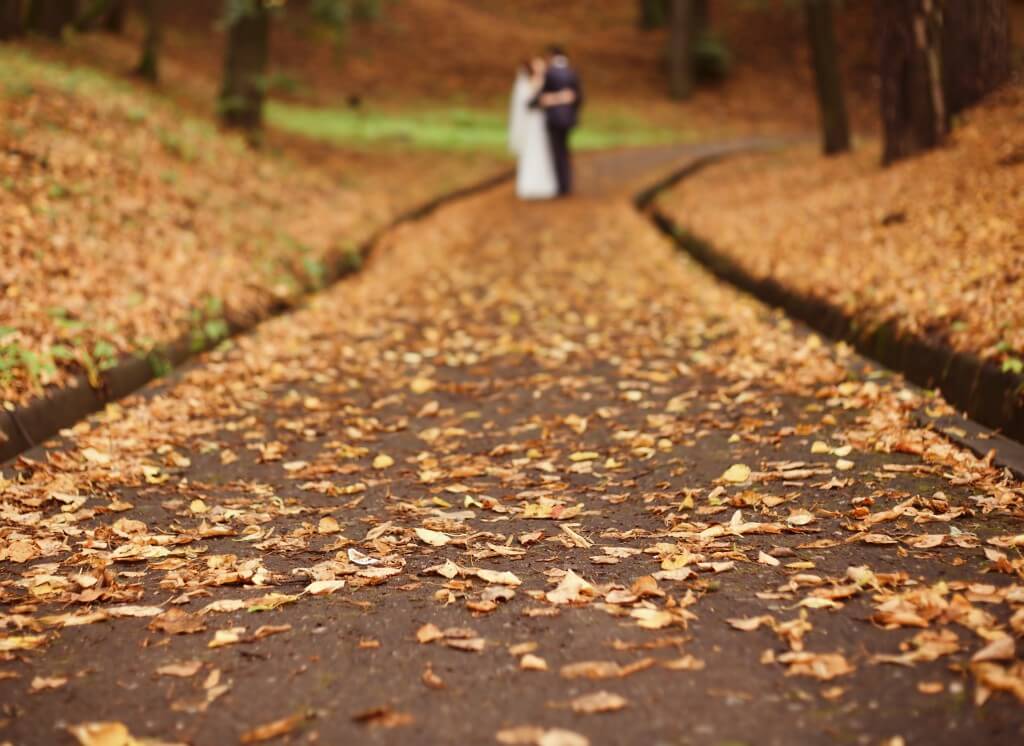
(12, 18)
(149, 61)
(114, 20)
(680, 48)
(49, 17)
(914, 113)
(652, 13)
(701, 17)
(976, 50)
(821, 34)
(105, 14)
(245, 67)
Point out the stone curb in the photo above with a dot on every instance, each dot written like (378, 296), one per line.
(27, 426)
(979, 388)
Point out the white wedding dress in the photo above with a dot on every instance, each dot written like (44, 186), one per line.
(528, 139)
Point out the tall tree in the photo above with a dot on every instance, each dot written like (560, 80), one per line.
(245, 64)
(914, 113)
(821, 34)
(977, 50)
(50, 17)
(701, 17)
(680, 48)
(114, 21)
(12, 18)
(108, 14)
(149, 61)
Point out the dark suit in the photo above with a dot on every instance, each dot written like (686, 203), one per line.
(561, 119)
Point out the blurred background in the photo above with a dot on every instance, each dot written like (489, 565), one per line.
(437, 73)
(173, 169)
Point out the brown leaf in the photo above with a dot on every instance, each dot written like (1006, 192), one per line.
(176, 621)
(273, 730)
(181, 670)
(822, 666)
(383, 717)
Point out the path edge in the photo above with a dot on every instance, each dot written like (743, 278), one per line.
(988, 396)
(27, 426)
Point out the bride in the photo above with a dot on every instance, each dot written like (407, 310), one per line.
(528, 136)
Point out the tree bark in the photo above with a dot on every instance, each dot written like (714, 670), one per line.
(821, 34)
(977, 50)
(914, 113)
(701, 17)
(105, 14)
(680, 48)
(245, 68)
(50, 17)
(149, 62)
(12, 18)
(114, 20)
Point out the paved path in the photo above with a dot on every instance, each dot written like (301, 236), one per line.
(529, 478)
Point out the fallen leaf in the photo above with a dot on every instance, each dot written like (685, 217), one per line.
(274, 729)
(431, 679)
(383, 717)
(530, 662)
(433, 538)
(589, 704)
(499, 578)
(822, 666)
(383, 461)
(328, 525)
(686, 663)
(736, 474)
(42, 683)
(177, 621)
(323, 587)
(571, 589)
(181, 670)
(224, 637)
(1000, 649)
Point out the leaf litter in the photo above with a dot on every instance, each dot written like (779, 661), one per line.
(490, 523)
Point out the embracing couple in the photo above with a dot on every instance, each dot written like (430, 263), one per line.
(545, 107)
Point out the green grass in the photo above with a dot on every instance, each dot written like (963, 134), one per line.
(452, 128)
(443, 126)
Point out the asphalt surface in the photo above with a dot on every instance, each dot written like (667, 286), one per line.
(530, 477)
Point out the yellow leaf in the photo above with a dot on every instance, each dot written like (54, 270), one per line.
(421, 385)
(328, 525)
(736, 474)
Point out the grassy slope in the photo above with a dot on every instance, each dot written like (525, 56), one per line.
(932, 243)
(125, 222)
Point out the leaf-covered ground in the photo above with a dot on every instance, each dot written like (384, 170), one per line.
(935, 244)
(124, 225)
(529, 478)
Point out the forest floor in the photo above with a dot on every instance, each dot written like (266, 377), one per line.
(934, 244)
(126, 224)
(531, 477)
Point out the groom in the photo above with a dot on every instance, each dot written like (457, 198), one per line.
(561, 98)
